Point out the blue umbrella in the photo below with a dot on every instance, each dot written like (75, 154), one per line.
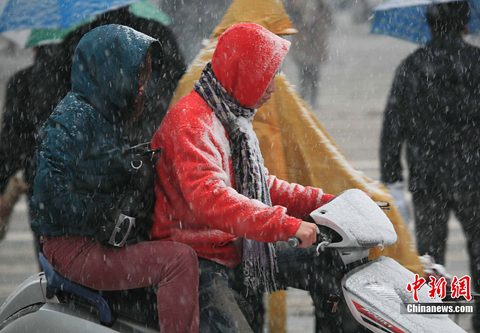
(44, 36)
(406, 19)
(58, 14)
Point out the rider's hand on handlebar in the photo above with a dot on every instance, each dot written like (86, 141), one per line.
(307, 233)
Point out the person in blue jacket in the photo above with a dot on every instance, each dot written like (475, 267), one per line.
(81, 165)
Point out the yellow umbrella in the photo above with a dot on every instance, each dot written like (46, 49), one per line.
(294, 145)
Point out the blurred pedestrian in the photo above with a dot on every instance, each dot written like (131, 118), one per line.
(434, 110)
(31, 95)
(313, 19)
(194, 20)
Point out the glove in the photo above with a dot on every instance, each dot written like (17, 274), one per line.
(436, 270)
(396, 191)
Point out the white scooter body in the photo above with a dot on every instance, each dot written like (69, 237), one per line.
(375, 292)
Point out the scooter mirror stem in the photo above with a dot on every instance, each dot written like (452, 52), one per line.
(322, 244)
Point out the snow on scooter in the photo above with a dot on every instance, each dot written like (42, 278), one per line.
(350, 224)
(374, 291)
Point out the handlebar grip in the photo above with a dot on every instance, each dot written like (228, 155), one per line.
(294, 241)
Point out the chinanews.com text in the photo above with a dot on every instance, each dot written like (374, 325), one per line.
(436, 308)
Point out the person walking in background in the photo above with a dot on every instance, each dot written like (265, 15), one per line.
(434, 110)
(31, 95)
(313, 19)
(194, 20)
(81, 166)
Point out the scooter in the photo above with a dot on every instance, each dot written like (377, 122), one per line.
(373, 292)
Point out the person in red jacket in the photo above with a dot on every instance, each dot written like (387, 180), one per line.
(214, 193)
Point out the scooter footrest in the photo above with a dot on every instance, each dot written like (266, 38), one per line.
(332, 303)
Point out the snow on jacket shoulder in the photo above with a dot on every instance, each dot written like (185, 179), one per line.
(196, 200)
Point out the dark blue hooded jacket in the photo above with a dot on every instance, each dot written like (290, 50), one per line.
(79, 149)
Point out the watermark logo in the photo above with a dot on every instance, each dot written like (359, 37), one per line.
(461, 287)
(415, 286)
(458, 288)
(439, 287)
(436, 308)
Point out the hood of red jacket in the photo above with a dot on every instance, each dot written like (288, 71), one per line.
(246, 59)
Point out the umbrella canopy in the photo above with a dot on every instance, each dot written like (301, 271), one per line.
(406, 19)
(36, 37)
(58, 14)
(44, 36)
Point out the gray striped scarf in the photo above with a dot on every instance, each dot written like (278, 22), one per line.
(258, 259)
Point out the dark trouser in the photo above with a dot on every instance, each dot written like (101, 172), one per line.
(172, 267)
(223, 307)
(432, 209)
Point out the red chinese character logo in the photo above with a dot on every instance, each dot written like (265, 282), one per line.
(439, 287)
(461, 287)
(417, 284)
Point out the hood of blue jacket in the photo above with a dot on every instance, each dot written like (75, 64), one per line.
(106, 69)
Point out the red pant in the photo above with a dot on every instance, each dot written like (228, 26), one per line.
(173, 267)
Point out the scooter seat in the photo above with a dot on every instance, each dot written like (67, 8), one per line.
(137, 304)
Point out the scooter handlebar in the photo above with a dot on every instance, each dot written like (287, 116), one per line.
(294, 241)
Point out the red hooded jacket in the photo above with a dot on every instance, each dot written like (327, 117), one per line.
(197, 203)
